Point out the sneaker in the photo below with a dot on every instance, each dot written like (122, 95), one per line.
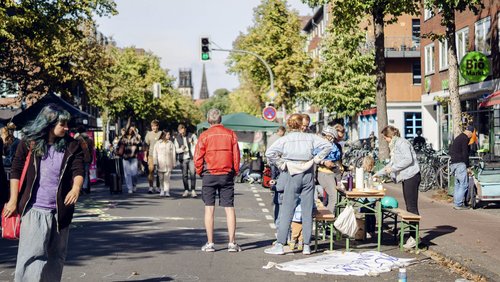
(291, 245)
(134, 189)
(193, 194)
(130, 191)
(233, 248)
(461, 208)
(162, 194)
(150, 191)
(208, 247)
(277, 249)
(410, 243)
(158, 190)
(185, 194)
(306, 250)
(300, 246)
(167, 194)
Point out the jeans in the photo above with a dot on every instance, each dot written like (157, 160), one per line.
(461, 183)
(188, 172)
(410, 194)
(130, 171)
(329, 183)
(297, 186)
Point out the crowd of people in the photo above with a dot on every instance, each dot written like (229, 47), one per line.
(48, 169)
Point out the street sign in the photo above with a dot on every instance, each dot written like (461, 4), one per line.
(272, 94)
(475, 67)
(269, 113)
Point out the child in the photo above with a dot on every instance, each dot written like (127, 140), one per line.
(164, 160)
(297, 239)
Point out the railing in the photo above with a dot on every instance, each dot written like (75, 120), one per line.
(398, 46)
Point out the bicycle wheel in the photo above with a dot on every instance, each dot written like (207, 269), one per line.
(442, 179)
(428, 175)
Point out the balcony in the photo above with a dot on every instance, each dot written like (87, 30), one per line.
(399, 46)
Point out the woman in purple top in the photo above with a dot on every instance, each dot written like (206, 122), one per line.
(48, 195)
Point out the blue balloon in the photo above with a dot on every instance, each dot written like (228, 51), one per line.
(389, 202)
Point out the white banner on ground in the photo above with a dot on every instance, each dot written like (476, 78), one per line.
(346, 263)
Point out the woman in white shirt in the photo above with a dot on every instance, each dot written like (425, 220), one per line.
(164, 160)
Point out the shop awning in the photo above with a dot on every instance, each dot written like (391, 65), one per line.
(491, 100)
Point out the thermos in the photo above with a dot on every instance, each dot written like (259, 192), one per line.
(349, 182)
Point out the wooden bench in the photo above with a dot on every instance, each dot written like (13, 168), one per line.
(409, 221)
(325, 217)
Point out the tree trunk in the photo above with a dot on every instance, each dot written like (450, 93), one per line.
(381, 95)
(353, 124)
(456, 109)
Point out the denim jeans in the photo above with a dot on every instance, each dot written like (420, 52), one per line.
(130, 171)
(461, 183)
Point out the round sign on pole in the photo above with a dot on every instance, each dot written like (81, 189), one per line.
(272, 94)
(269, 113)
(475, 67)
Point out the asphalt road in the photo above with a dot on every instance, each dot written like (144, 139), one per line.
(143, 237)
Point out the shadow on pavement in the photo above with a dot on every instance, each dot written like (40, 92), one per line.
(438, 231)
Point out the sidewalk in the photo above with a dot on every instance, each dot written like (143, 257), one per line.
(470, 237)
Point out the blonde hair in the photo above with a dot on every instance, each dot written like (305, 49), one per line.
(294, 122)
(390, 131)
(368, 163)
(339, 127)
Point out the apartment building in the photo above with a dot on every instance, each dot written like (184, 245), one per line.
(473, 33)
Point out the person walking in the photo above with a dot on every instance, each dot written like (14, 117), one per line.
(129, 144)
(150, 140)
(185, 143)
(459, 162)
(164, 160)
(292, 154)
(10, 143)
(217, 161)
(47, 198)
(403, 167)
(87, 145)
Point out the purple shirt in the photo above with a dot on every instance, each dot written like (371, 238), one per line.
(50, 170)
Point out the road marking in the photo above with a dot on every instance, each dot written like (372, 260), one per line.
(268, 217)
(265, 210)
(256, 195)
(258, 199)
(262, 204)
(272, 225)
(255, 191)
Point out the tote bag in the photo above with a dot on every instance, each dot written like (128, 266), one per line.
(11, 226)
(346, 222)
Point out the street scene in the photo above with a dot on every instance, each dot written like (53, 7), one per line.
(277, 140)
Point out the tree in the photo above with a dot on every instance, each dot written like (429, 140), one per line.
(347, 14)
(276, 37)
(49, 45)
(447, 9)
(220, 101)
(244, 99)
(344, 82)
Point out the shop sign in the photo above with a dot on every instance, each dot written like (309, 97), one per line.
(475, 67)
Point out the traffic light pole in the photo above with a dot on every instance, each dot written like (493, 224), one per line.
(271, 77)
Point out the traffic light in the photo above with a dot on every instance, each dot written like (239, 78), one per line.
(205, 49)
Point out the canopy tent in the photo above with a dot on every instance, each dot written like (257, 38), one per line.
(491, 100)
(77, 116)
(243, 122)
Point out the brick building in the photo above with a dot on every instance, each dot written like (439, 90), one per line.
(473, 33)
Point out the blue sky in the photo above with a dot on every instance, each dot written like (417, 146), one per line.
(171, 29)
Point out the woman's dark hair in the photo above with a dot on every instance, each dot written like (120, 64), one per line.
(37, 131)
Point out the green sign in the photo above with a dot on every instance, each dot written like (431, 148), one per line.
(475, 67)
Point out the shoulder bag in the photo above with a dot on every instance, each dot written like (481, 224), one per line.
(11, 226)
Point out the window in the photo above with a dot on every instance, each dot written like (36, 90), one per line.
(428, 13)
(417, 73)
(415, 32)
(443, 55)
(413, 123)
(462, 38)
(8, 89)
(429, 59)
(482, 36)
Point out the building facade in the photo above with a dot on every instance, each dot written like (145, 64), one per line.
(186, 83)
(473, 33)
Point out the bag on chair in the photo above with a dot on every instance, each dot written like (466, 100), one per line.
(346, 222)
(11, 226)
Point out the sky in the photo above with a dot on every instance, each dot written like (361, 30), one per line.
(171, 29)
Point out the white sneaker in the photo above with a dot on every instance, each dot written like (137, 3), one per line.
(410, 243)
(208, 247)
(150, 191)
(167, 194)
(185, 194)
(130, 191)
(158, 190)
(193, 194)
(162, 193)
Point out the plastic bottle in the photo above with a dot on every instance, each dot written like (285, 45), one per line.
(402, 275)
(349, 182)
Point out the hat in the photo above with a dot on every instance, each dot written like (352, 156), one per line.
(328, 130)
(470, 128)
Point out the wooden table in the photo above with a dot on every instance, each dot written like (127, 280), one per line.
(345, 198)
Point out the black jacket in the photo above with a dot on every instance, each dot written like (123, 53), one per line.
(459, 150)
(72, 166)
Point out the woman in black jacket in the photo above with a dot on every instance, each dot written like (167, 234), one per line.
(48, 194)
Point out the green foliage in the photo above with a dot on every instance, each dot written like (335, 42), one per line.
(220, 100)
(50, 45)
(344, 82)
(244, 99)
(276, 37)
